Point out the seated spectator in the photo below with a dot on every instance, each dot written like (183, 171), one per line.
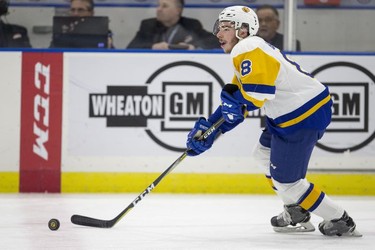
(11, 35)
(85, 8)
(170, 30)
(269, 23)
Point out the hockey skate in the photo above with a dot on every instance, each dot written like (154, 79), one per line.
(344, 226)
(293, 219)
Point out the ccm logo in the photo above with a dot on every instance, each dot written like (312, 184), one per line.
(41, 109)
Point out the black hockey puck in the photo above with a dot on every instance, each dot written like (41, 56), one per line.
(54, 224)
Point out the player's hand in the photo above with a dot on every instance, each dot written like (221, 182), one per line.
(232, 109)
(160, 46)
(196, 146)
(188, 46)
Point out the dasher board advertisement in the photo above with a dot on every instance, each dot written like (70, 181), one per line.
(140, 107)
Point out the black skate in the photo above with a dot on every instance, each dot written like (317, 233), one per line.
(293, 219)
(344, 226)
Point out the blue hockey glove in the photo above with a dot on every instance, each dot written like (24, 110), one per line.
(232, 109)
(195, 146)
(226, 126)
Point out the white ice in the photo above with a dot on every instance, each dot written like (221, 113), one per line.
(164, 221)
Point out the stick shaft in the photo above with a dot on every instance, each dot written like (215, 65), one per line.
(92, 222)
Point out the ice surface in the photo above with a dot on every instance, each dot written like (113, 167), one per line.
(166, 221)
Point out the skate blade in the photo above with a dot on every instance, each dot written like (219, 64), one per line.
(355, 233)
(300, 227)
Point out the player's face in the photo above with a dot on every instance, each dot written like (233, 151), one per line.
(227, 36)
(268, 24)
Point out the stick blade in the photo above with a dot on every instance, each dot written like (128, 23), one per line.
(90, 222)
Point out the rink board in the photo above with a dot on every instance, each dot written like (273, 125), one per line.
(116, 125)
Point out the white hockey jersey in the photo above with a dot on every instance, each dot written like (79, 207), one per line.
(291, 97)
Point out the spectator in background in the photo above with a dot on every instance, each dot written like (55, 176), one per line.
(81, 8)
(12, 36)
(170, 30)
(269, 24)
(85, 8)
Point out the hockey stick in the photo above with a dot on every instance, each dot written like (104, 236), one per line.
(92, 222)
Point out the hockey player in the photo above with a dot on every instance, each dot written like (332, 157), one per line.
(298, 110)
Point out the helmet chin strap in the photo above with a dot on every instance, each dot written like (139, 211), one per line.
(238, 36)
(237, 31)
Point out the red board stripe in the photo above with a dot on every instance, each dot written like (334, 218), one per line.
(41, 122)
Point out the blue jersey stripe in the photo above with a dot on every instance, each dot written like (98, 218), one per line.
(259, 88)
(303, 109)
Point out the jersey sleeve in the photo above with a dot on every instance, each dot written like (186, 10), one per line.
(256, 73)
